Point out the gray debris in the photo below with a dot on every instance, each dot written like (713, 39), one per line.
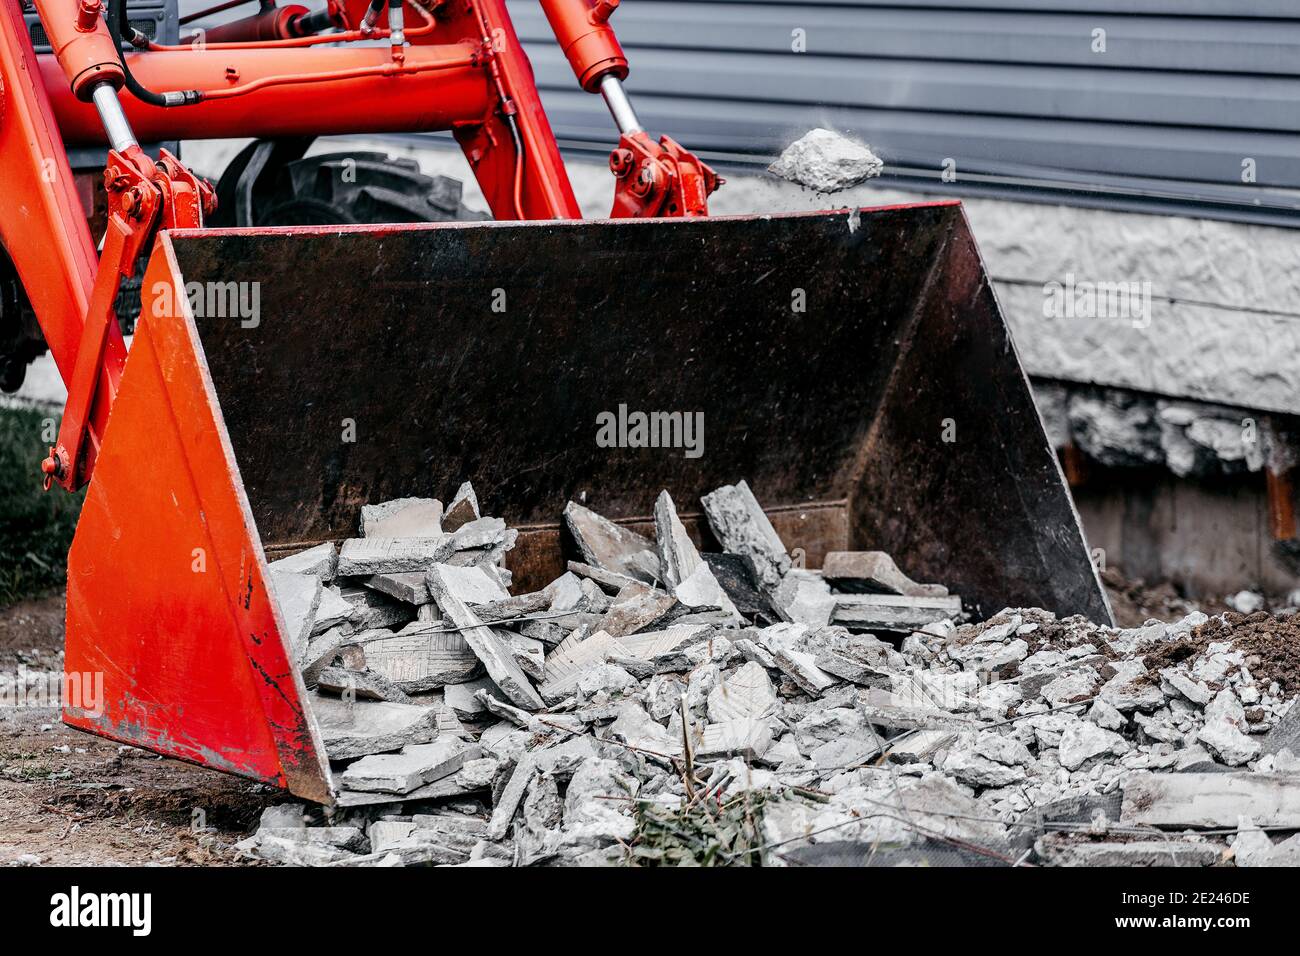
(364, 556)
(740, 524)
(353, 730)
(462, 510)
(403, 518)
(826, 162)
(298, 596)
(318, 562)
(415, 766)
(1178, 800)
(873, 572)
(486, 645)
(360, 685)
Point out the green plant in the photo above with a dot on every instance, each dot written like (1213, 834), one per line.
(35, 527)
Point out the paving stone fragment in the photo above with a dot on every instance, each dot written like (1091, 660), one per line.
(298, 596)
(892, 611)
(747, 694)
(635, 606)
(742, 527)
(611, 547)
(360, 685)
(487, 646)
(873, 572)
(415, 766)
(804, 597)
(365, 556)
(746, 737)
(420, 657)
(318, 562)
(403, 518)
(462, 510)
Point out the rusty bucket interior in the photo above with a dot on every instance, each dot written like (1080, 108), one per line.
(852, 366)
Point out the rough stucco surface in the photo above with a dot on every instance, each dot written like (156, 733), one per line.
(1225, 298)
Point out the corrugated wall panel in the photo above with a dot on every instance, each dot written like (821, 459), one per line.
(1012, 90)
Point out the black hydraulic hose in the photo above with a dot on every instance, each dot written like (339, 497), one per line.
(116, 22)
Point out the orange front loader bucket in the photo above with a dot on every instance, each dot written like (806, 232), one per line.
(854, 368)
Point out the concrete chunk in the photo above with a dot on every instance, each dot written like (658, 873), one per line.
(740, 524)
(360, 556)
(360, 685)
(463, 508)
(609, 546)
(678, 555)
(332, 611)
(566, 664)
(360, 728)
(409, 587)
(318, 562)
(400, 773)
(891, 611)
(486, 645)
(402, 518)
(1211, 799)
(636, 606)
(746, 737)
(873, 572)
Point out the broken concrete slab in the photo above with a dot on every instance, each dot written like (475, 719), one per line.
(892, 611)
(462, 510)
(365, 556)
(747, 694)
(487, 646)
(873, 572)
(1211, 799)
(409, 587)
(611, 581)
(635, 606)
(298, 596)
(403, 518)
(360, 685)
(415, 766)
(332, 611)
(352, 730)
(611, 547)
(678, 556)
(420, 657)
(471, 585)
(318, 562)
(462, 700)
(1067, 850)
(804, 597)
(372, 610)
(743, 528)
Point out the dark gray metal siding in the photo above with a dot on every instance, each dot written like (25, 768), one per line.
(1009, 89)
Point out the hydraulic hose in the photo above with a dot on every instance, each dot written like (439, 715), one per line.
(116, 22)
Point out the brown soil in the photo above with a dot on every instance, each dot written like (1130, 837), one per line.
(1271, 645)
(1136, 602)
(100, 804)
(31, 633)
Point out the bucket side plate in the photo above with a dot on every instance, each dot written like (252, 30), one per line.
(168, 600)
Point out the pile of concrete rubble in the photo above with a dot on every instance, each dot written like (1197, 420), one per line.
(848, 712)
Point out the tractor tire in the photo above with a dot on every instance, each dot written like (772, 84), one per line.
(349, 188)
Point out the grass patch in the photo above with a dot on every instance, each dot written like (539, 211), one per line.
(35, 526)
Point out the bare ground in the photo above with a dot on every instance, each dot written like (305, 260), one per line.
(71, 798)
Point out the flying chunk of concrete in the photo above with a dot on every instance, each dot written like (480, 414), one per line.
(827, 162)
